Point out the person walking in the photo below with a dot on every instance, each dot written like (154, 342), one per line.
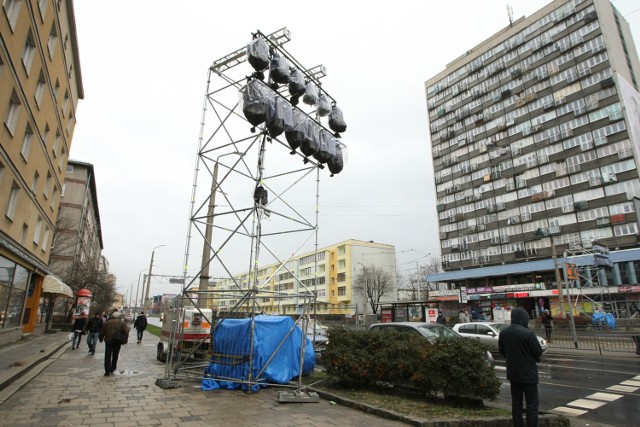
(94, 326)
(111, 334)
(440, 319)
(140, 324)
(521, 349)
(547, 322)
(79, 324)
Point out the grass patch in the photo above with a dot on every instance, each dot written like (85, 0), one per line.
(425, 407)
(155, 330)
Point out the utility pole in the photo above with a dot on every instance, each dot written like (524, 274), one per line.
(146, 294)
(558, 278)
(206, 246)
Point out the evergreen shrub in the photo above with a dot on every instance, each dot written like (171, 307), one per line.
(453, 367)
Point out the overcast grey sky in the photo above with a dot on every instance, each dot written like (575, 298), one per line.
(144, 69)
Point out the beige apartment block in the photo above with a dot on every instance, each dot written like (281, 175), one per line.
(40, 85)
(78, 239)
(330, 273)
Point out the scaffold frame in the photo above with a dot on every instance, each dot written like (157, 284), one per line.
(244, 163)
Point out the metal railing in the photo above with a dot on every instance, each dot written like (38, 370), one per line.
(595, 338)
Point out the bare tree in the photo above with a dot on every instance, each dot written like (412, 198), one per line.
(373, 283)
(65, 264)
(432, 267)
(414, 285)
(88, 276)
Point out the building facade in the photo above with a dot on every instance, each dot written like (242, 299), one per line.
(331, 275)
(534, 137)
(41, 85)
(77, 243)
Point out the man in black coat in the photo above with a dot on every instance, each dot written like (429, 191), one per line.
(140, 324)
(522, 350)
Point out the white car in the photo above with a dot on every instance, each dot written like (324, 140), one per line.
(487, 333)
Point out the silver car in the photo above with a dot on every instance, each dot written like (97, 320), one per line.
(487, 333)
(429, 330)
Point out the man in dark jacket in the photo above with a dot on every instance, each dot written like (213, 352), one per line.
(521, 348)
(140, 324)
(94, 326)
(111, 345)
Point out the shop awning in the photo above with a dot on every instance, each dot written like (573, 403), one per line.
(53, 285)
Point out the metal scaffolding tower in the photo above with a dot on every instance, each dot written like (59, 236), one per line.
(260, 199)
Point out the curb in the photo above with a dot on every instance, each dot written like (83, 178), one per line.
(545, 420)
(23, 366)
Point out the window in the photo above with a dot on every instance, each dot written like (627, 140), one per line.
(14, 113)
(56, 91)
(65, 103)
(341, 277)
(29, 52)
(26, 143)
(13, 201)
(12, 10)
(36, 235)
(61, 161)
(47, 186)
(52, 205)
(64, 186)
(69, 123)
(56, 143)
(341, 250)
(23, 234)
(36, 180)
(53, 40)
(342, 291)
(42, 84)
(42, 5)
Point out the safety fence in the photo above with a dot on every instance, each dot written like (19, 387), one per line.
(601, 339)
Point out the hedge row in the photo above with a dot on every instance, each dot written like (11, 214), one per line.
(454, 367)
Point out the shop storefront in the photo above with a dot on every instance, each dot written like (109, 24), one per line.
(28, 300)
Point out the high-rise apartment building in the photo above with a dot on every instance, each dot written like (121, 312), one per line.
(535, 142)
(40, 85)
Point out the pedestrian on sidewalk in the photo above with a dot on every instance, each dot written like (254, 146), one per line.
(94, 326)
(522, 350)
(114, 334)
(547, 322)
(140, 324)
(79, 324)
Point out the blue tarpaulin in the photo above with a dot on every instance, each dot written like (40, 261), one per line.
(230, 348)
(600, 319)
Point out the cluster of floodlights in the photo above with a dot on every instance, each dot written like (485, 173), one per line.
(263, 103)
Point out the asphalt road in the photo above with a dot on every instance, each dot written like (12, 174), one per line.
(602, 390)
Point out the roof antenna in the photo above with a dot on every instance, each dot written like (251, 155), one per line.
(510, 12)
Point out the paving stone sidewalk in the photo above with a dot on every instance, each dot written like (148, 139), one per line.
(72, 391)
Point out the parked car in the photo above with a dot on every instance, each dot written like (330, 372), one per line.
(487, 333)
(431, 331)
(321, 338)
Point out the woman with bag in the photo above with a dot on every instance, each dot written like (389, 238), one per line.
(114, 334)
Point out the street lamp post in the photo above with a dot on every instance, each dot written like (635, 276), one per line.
(136, 308)
(364, 273)
(146, 294)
